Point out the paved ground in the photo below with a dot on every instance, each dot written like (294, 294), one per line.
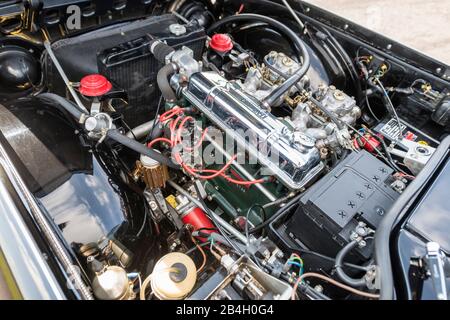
(422, 25)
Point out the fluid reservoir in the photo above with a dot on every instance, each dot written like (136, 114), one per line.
(110, 282)
(174, 276)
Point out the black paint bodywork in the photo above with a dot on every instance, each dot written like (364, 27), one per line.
(426, 217)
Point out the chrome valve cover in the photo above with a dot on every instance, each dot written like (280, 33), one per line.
(291, 158)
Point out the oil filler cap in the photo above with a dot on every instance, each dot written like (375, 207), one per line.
(94, 85)
(221, 43)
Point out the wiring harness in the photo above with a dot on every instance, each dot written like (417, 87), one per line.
(176, 121)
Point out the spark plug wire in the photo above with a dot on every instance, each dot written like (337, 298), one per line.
(176, 127)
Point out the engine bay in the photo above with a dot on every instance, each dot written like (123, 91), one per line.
(211, 150)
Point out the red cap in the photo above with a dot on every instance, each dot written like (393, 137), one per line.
(94, 85)
(221, 42)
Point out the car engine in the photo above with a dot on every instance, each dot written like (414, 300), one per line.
(212, 152)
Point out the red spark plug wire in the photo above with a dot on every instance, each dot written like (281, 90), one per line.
(153, 142)
(175, 139)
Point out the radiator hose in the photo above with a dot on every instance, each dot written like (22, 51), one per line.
(64, 103)
(115, 135)
(164, 82)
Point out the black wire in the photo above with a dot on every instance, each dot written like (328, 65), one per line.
(150, 133)
(206, 229)
(128, 128)
(340, 125)
(325, 257)
(347, 61)
(366, 97)
(363, 69)
(386, 160)
(386, 151)
(390, 107)
(338, 266)
(301, 251)
(307, 290)
(247, 234)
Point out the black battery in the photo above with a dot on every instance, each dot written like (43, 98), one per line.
(356, 190)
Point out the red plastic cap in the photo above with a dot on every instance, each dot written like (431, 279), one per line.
(94, 85)
(221, 43)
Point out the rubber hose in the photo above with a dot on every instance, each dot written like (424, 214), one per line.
(63, 102)
(115, 135)
(339, 263)
(163, 81)
(292, 80)
(160, 50)
(279, 72)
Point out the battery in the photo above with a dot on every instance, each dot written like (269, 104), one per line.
(357, 190)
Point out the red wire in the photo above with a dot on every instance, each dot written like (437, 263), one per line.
(214, 175)
(244, 183)
(180, 131)
(181, 127)
(199, 143)
(175, 139)
(170, 113)
(172, 127)
(241, 8)
(232, 180)
(150, 144)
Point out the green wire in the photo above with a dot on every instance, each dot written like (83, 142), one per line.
(300, 260)
(212, 243)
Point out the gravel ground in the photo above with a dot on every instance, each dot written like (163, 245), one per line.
(422, 25)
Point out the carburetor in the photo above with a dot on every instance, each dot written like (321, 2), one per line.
(277, 67)
(339, 103)
(309, 119)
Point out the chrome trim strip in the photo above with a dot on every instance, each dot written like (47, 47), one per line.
(31, 272)
(57, 247)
